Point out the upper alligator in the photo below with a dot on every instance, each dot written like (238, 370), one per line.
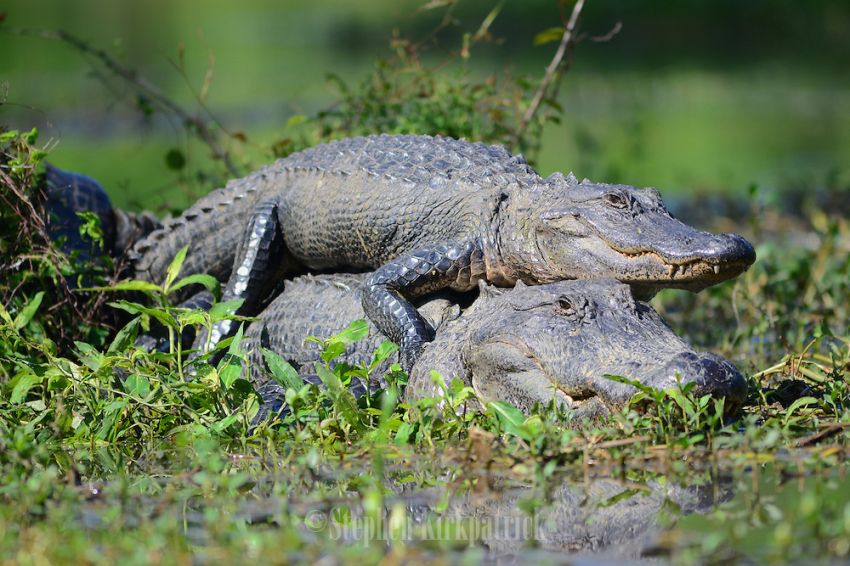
(69, 193)
(428, 213)
(556, 341)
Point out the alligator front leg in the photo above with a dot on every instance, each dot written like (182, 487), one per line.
(388, 290)
(259, 261)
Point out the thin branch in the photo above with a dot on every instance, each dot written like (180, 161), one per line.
(144, 86)
(551, 70)
(608, 36)
(827, 431)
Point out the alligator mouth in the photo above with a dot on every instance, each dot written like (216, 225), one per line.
(712, 259)
(684, 270)
(570, 400)
(574, 400)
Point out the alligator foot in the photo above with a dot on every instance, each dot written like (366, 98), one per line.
(254, 272)
(388, 290)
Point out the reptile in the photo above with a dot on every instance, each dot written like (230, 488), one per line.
(69, 193)
(524, 345)
(427, 213)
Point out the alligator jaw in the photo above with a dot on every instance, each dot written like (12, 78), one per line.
(654, 249)
(691, 274)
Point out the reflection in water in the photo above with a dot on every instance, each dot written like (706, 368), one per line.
(794, 510)
(605, 517)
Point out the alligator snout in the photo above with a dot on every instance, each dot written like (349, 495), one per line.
(730, 248)
(712, 374)
(714, 249)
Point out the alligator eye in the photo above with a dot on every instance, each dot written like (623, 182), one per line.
(566, 307)
(616, 200)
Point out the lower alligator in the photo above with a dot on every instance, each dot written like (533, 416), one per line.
(524, 345)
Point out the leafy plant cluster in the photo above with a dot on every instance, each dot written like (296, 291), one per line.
(422, 89)
(33, 270)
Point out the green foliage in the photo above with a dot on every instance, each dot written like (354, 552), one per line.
(412, 93)
(32, 269)
(123, 394)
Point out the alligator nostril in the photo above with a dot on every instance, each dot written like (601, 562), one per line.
(713, 375)
(732, 247)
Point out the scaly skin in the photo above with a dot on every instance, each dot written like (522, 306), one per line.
(524, 345)
(69, 193)
(429, 213)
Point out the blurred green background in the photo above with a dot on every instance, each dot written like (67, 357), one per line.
(696, 95)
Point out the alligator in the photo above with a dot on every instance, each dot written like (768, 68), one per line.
(69, 193)
(427, 213)
(525, 345)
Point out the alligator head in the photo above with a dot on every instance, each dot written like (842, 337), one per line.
(70, 193)
(565, 229)
(559, 341)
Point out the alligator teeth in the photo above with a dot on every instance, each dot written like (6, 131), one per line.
(717, 270)
(673, 269)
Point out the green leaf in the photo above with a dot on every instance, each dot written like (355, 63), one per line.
(224, 423)
(89, 355)
(127, 285)
(191, 318)
(402, 436)
(624, 495)
(642, 387)
(111, 413)
(125, 336)
(676, 394)
(507, 413)
(383, 351)
(332, 350)
(37, 405)
(137, 385)
(229, 371)
(4, 314)
(282, 371)
(128, 306)
(26, 314)
(549, 35)
(342, 398)
(159, 314)
(799, 403)
(225, 308)
(357, 330)
(174, 268)
(211, 283)
(25, 382)
(31, 136)
(234, 349)
(296, 120)
(90, 227)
